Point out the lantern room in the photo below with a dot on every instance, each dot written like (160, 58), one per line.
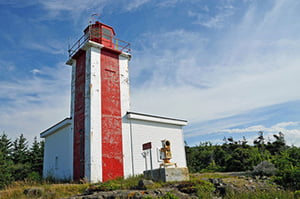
(101, 33)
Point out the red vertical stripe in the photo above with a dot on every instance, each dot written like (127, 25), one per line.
(78, 161)
(112, 150)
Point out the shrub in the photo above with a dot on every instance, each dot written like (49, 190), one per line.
(265, 168)
(297, 194)
(34, 176)
(289, 178)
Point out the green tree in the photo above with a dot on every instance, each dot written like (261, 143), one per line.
(278, 145)
(221, 157)
(5, 161)
(36, 154)
(294, 156)
(5, 170)
(5, 146)
(199, 157)
(241, 160)
(20, 157)
(20, 150)
(289, 178)
(259, 142)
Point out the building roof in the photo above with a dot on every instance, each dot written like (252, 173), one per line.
(155, 118)
(66, 122)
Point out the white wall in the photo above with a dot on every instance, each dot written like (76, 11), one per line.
(147, 131)
(93, 162)
(125, 106)
(58, 154)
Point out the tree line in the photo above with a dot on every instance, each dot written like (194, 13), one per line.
(275, 159)
(19, 161)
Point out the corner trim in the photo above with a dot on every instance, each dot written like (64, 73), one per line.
(154, 118)
(56, 127)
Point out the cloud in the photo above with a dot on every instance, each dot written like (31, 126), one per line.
(79, 8)
(289, 129)
(168, 3)
(35, 71)
(71, 5)
(203, 77)
(52, 47)
(6, 66)
(30, 105)
(135, 4)
(216, 21)
(209, 19)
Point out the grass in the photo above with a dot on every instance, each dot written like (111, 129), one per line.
(278, 194)
(50, 191)
(210, 175)
(196, 185)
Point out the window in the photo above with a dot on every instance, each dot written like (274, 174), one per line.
(106, 33)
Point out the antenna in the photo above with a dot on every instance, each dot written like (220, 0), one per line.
(94, 17)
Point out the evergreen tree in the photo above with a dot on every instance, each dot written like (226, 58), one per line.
(278, 145)
(260, 141)
(5, 161)
(5, 170)
(5, 146)
(36, 156)
(20, 157)
(20, 150)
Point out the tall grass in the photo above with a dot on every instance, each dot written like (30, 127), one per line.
(276, 194)
(50, 191)
(196, 186)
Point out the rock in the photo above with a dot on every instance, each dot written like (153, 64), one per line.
(34, 192)
(144, 184)
(219, 185)
(216, 181)
(158, 193)
(250, 187)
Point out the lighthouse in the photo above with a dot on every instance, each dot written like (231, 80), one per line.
(102, 139)
(100, 66)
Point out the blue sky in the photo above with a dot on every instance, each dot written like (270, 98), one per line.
(229, 67)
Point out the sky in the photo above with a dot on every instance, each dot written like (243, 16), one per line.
(229, 67)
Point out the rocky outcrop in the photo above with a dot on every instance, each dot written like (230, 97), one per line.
(218, 187)
(135, 194)
(34, 192)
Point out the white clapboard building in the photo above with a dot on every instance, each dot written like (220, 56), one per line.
(102, 139)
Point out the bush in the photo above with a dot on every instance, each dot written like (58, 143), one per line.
(34, 176)
(297, 194)
(289, 178)
(265, 168)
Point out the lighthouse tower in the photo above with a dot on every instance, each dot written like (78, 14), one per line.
(102, 139)
(100, 99)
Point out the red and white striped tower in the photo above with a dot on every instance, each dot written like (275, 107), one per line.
(99, 101)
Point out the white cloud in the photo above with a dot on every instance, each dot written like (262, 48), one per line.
(200, 78)
(210, 20)
(51, 47)
(6, 66)
(71, 5)
(35, 71)
(135, 4)
(289, 129)
(33, 104)
(79, 8)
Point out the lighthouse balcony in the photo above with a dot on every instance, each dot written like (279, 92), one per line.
(100, 35)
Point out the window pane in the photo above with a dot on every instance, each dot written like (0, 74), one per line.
(106, 33)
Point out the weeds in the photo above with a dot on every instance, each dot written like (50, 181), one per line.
(278, 194)
(49, 191)
(196, 186)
